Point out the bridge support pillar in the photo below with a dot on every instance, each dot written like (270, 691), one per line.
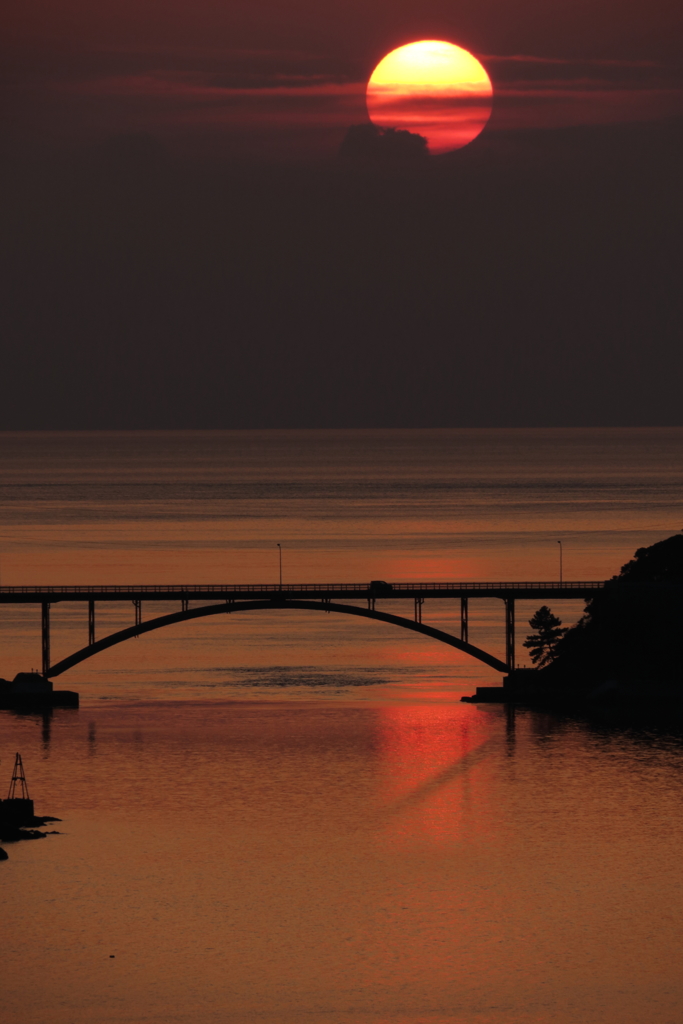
(419, 601)
(510, 633)
(464, 625)
(184, 604)
(91, 623)
(45, 631)
(137, 604)
(371, 604)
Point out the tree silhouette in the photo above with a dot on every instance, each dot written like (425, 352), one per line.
(367, 143)
(549, 632)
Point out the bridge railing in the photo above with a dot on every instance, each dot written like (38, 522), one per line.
(386, 590)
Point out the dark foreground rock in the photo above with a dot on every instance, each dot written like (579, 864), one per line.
(3, 854)
(14, 829)
(12, 834)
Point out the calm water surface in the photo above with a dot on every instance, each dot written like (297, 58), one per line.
(291, 817)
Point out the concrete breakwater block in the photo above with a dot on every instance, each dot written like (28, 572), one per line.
(56, 699)
(29, 682)
(30, 689)
(17, 810)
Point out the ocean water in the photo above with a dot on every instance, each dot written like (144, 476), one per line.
(288, 816)
(346, 506)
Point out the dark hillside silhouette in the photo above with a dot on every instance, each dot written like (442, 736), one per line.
(632, 630)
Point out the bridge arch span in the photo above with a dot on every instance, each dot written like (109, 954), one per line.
(273, 605)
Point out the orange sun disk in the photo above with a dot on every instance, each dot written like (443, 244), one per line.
(433, 88)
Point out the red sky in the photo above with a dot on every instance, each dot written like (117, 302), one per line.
(284, 80)
(530, 279)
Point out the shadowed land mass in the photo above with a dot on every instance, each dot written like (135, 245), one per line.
(625, 650)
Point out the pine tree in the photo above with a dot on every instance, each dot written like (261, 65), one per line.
(549, 631)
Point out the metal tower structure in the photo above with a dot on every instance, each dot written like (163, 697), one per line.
(18, 782)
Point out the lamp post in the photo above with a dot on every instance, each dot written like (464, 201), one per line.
(560, 543)
(279, 548)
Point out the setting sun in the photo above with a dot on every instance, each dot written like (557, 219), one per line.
(432, 88)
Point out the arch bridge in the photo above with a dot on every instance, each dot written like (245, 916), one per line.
(227, 599)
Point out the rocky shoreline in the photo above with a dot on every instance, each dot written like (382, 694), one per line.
(11, 832)
(531, 688)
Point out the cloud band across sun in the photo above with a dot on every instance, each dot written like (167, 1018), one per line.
(432, 88)
(214, 105)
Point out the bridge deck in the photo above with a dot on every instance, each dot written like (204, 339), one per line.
(324, 591)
